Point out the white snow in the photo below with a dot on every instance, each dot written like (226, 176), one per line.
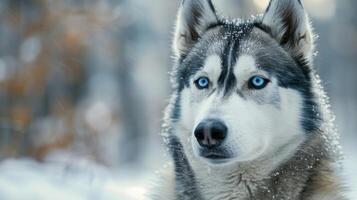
(26, 179)
(61, 178)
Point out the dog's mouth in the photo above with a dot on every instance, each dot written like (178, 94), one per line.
(214, 156)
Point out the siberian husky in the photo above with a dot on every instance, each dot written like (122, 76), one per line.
(248, 118)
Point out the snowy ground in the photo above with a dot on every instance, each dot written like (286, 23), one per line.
(25, 179)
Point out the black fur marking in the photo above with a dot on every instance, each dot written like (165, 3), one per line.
(193, 23)
(268, 8)
(300, 3)
(227, 79)
(249, 191)
(225, 65)
(175, 114)
(234, 34)
(186, 186)
(212, 92)
(290, 26)
(212, 7)
(230, 84)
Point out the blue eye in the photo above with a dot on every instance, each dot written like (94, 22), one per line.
(257, 82)
(202, 83)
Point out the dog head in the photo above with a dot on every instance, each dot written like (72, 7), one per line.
(243, 86)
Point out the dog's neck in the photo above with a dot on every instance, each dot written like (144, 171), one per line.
(260, 180)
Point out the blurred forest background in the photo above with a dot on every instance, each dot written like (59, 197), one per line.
(86, 81)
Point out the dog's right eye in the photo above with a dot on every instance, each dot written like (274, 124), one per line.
(202, 83)
(257, 82)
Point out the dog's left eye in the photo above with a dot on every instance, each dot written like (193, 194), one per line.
(202, 83)
(258, 82)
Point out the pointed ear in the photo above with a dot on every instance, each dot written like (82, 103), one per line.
(290, 26)
(194, 17)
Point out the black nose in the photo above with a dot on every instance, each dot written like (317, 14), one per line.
(210, 133)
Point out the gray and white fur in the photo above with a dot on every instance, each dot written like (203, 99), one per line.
(248, 118)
